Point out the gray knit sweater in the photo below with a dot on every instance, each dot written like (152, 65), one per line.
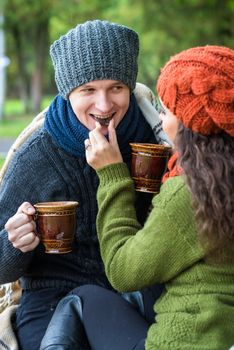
(41, 171)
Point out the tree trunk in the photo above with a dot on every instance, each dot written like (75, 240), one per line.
(41, 52)
(23, 76)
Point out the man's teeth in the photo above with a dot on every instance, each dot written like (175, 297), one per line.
(103, 120)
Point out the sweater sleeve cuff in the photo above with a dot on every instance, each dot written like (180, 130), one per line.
(113, 173)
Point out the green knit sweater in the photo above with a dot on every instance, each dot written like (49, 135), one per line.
(196, 310)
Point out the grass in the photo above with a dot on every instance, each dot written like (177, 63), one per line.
(15, 120)
(1, 162)
(12, 127)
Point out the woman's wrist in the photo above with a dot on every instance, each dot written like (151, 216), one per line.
(113, 173)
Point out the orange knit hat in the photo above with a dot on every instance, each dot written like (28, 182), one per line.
(197, 85)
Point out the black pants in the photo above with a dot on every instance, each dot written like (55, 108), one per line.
(34, 314)
(110, 322)
(99, 307)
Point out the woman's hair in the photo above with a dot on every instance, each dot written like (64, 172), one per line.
(208, 164)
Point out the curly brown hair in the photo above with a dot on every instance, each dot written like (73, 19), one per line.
(208, 164)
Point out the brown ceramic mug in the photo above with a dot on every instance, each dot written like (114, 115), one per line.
(56, 223)
(149, 163)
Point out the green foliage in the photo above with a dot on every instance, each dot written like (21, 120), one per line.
(15, 120)
(1, 161)
(13, 127)
(165, 27)
(13, 107)
(2, 5)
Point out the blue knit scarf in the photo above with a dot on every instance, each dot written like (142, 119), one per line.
(69, 133)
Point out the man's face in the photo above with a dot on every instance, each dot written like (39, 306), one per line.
(100, 100)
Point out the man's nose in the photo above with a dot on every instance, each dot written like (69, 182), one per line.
(104, 103)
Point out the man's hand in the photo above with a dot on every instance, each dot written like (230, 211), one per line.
(21, 229)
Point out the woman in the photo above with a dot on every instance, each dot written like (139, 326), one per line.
(187, 241)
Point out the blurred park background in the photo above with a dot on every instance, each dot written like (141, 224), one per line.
(28, 27)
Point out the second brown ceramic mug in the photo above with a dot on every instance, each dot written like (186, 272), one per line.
(149, 162)
(56, 224)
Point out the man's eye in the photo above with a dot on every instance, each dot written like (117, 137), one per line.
(87, 90)
(117, 87)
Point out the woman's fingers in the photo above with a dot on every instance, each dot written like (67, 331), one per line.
(96, 137)
(87, 144)
(112, 133)
(101, 152)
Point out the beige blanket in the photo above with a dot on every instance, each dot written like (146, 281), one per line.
(8, 339)
(10, 294)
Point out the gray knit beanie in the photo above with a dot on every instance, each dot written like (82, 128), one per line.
(95, 50)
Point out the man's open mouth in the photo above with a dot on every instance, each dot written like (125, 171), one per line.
(104, 120)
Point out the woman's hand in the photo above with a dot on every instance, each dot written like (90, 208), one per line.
(101, 152)
(21, 229)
